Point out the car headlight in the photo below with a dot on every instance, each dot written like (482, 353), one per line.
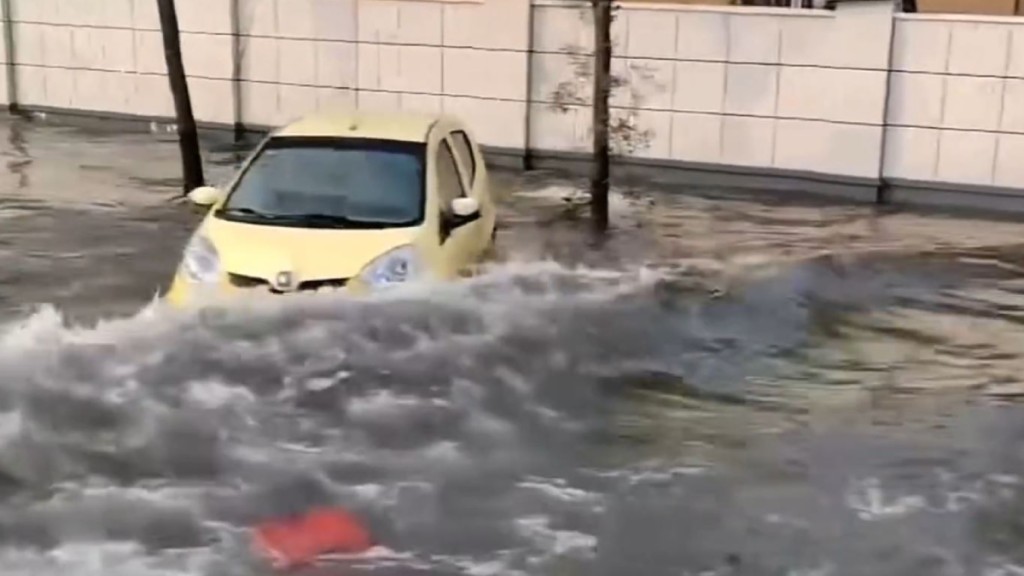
(393, 267)
(201, 263)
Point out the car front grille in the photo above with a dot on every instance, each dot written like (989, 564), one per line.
(240, 281)
(330, 283)
(243, 281)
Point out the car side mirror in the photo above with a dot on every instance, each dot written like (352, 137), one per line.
(462, 211)
(465, 207)
(204, 196)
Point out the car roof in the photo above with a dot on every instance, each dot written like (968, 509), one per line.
(401, 125)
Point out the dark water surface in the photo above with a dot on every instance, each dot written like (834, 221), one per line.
(728, 386)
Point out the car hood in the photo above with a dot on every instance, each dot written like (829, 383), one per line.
(262, 251)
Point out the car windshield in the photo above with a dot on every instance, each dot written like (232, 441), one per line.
(332, 182)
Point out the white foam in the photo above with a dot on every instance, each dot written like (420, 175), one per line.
(375, 553)
(11, 425)
(559, 489)
(103, 559)
(538, 530)
(216, 394)
(300, 448)
(368, 492)
(445, 452)
(479, 567)
(619, 204)
(385, 405)
(870, 502)
(321, 384)
(1002, 567)
(651, 474)
(492, 568)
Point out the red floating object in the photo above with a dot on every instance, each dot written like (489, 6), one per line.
(299, 541)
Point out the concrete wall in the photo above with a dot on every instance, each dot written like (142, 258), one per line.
(764, 88)
(957, 101)
(103, 56)
(466, 57)
(707, 86)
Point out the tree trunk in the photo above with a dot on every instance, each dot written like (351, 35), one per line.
(601, 114)
(188, 133)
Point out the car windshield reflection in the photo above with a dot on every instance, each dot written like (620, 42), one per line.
(332, 183)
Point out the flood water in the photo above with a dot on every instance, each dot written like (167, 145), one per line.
(730, 385)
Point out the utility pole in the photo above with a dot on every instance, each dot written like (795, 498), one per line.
(600, 170)
(188, 133)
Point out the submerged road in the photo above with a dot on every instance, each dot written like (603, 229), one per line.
(730, 385)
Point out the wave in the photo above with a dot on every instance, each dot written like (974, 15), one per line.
(147, 444)
(479, 427)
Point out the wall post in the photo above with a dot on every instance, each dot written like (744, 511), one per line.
(10, 67)
(528, 108)
(882, 194)
(237, 55)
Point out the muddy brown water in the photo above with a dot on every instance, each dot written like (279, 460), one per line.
(729, 385)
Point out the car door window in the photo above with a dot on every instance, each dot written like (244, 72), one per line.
(460, 140)
(449, 183)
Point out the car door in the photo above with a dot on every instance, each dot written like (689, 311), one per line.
(473, 174)
(457, 245)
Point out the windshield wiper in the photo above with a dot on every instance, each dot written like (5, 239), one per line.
(326, 220)
(317, 217)
(312, 218)
(247, 212)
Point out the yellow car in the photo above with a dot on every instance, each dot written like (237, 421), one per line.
(353, 201)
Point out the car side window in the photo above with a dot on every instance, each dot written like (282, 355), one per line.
(465, 151)
(449, 183)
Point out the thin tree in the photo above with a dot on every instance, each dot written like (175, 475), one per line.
(188, 133)
(600, 171)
